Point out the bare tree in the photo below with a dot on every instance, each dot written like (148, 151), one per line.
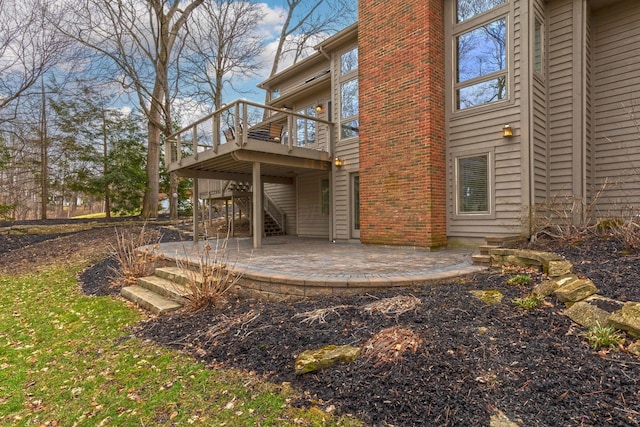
(29, 47)
(308, 21)
(141, 39)
(222, 43)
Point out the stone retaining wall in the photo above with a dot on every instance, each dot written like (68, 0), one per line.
(579, 294)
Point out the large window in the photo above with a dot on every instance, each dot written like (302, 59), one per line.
(306, 128)
(466, 9)
(473, 183)
(480, 54)
(349, 123)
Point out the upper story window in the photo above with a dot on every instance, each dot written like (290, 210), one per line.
(480, 54)
(538, 52)
(306, 128)
(466, 9)
(349, 123)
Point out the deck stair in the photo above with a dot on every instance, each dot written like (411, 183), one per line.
(162, 293)
(271, 227)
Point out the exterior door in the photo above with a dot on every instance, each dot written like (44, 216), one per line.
(355, 206)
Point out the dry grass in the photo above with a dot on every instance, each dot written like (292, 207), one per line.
(396, 305)
(212, 277)
(390, 344)
(136, 253)
(320, 314)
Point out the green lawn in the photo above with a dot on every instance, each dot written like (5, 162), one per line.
(67, 360)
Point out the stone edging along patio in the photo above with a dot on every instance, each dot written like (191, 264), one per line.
(584, 305)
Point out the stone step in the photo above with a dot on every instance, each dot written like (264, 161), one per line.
(166, 288)
(178, 275)
(480, 259)
(484, 249)
(503, 240)
(149, 300)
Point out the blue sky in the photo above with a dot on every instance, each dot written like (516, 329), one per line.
(274, 16)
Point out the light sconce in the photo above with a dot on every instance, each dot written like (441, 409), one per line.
(319, 108)
(507, 131)
(338, 162)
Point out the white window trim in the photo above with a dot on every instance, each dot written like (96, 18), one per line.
(459, 28)
(491, 214)
(344, 78)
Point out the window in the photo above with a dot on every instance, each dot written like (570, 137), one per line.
(306, 128)
(466, 9)
(481, 64)
(324, 194)
(349, 61)
(537, 46)
(349, 123)
(473, 184)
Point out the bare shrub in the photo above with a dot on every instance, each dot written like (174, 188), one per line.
(211, 277)
(390, 344)
(626, 230)
(567, 217)
(136, 253)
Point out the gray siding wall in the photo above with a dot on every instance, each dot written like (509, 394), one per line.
(539, 116)
(479, 130)
(560, 89)
(285, 197)
(311, 222)
(616, 91)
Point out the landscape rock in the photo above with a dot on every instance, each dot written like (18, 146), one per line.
(490, 296)
(557, 268)
(499, 419)
(313, 360)
(634, 348)
(627, 319)
(576, 290)
(592, 311)
(546, 288)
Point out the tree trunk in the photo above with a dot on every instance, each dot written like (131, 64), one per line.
(150, 202)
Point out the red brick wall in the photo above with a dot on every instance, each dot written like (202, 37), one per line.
(402, 122)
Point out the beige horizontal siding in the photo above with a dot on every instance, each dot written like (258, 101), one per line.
(616, 88)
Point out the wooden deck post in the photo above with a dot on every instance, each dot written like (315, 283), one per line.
(195, 210)
(256, 216)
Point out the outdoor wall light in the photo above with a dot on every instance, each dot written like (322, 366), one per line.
(507, 131)
(338, 162)
(319, 108)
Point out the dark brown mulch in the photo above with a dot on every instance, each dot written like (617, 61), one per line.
(473, 359)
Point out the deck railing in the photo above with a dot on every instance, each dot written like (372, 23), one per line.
(241, 121)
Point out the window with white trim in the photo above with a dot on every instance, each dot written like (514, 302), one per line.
(538, 46)
(349, 123)
(481, 55)
(473, 184)
(306, 128)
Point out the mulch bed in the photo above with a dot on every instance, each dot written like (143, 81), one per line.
(470, 360)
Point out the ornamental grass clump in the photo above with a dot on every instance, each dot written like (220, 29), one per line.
(519, 279)
(530, 302)
(600, 336)
(136, 253)
(211, 277)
